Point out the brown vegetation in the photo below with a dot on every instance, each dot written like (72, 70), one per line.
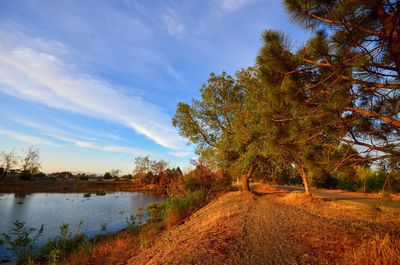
(21, 186)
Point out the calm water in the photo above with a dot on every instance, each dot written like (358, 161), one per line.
(54, 209)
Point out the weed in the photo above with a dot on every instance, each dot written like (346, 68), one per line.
(22, 243)
(53, 257)
(132, 223)
(64, 243)
(143, 241)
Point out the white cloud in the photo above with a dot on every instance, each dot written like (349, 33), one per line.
(173, 24)
(181, 154)
(80, 142)
(232, 5)
(44, 78)
(25, 137)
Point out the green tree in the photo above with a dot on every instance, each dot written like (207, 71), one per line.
(356, 51)
(223, 126)
(299, 119)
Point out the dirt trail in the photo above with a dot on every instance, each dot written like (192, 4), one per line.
(264, 240)
(238, 228)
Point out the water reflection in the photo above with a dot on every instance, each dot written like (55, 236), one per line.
(101, 213)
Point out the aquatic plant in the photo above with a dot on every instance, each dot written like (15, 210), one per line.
(22, 243)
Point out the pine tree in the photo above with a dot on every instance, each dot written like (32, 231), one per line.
(355, 56)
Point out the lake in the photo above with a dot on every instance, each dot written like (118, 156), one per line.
(101, 213)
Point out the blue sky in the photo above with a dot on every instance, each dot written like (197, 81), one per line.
(93, 84)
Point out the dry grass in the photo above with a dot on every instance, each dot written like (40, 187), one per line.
(113, 251)
(376, 251)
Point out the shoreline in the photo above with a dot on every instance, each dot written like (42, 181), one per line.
(72, 186)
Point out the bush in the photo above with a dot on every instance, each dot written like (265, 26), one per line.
(326, 181)
(155, 211)
(107, 175)
(347, 179)
(64, 243)
(177, 208)
(26, 175)
(132, 223)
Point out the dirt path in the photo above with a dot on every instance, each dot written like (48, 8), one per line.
(264, 240)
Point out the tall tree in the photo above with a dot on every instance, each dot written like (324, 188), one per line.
(356, 50)
(221, 125)
(300, 120)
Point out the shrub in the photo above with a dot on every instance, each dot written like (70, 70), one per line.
(155, 211)
(132, 223)
(23, 242)
(177, 208)
(325, 181)
(26, 175)
(65, 242)
(347, 179)
(107, 175)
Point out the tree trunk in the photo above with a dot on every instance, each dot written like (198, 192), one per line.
(246, 177)
(305, 179)
(365, 185)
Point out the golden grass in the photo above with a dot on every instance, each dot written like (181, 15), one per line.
(376, 251)
(114, 251)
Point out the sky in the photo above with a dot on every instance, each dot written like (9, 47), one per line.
(93, 84)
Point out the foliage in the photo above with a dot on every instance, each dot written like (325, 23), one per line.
(222, 126)
(107, 175)
(354, 52)
(309, 107)
(155, 211)
(132, 223)
(81, 177)
(179, 207)
(22, 243)
(156, 172)
(64, 243)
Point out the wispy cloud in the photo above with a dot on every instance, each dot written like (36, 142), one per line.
(82, 142)
(173, 24)
(231, 5)
(26, 137)
(181, 154)
(45, 78)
